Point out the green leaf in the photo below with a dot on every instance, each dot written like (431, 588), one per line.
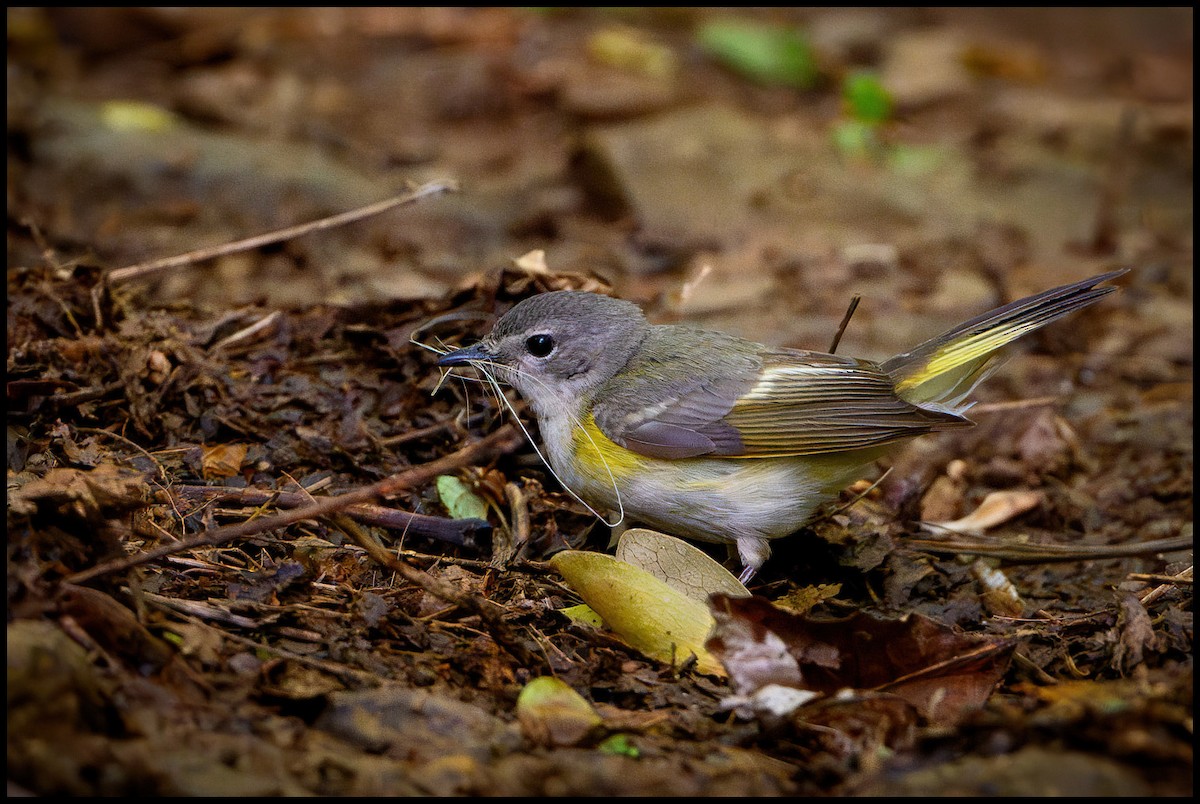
(583, 615)
(621, 745)
(460, 501)
(917, 160)
(855, 139)
(765, 53)
(866, 99)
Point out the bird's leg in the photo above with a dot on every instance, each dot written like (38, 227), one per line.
(754, 552)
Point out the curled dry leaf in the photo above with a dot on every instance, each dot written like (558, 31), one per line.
(996, 509)
(91, 495)
(1137, 635)
(802, 599)
(533, 264)
(940, 672)
(998, 593)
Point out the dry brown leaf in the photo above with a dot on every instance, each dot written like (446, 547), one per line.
(89, 494)
(996, 509)
(678, 564)
(223, 460)
(942, 673)
(999, 595)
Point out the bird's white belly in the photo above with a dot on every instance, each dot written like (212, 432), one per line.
(714, 499)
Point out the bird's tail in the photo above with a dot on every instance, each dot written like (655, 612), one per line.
(943, 371)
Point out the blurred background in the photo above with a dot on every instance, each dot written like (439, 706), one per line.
(745, 169)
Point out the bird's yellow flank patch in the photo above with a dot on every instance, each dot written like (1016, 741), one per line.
(597, 455)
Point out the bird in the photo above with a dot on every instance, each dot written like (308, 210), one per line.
(709, 436)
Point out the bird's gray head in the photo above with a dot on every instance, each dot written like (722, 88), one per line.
(556, 348)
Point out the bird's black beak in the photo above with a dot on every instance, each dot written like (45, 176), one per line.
(461, 357)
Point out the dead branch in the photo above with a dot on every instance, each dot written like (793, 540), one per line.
(119, 275)
(503, 440)
(1048, 553)
(463, 532)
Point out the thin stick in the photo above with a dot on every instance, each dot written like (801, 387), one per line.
(162, 473)
(262, 325)
(436, 427)
(350, 675)
(491, 614)
(1049, 553)
(464, 532)
(1171, 581)
(120, 275)
(1015, 404)
(504, 439)
(845, 323)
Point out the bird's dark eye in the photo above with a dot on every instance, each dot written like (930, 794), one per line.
(539, 345)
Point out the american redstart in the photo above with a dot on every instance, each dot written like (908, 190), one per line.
(713, 437)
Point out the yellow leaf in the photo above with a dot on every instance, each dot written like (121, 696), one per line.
(552, 713)
(137, 116)
(650, 616)
(629, 49)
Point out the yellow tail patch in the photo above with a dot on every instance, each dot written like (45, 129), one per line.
(963, 352)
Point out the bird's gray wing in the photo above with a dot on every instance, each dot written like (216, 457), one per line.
(737, 400)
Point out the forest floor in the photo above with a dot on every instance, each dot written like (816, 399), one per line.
(215, 583)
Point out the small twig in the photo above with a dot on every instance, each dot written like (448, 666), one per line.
(201, 610)
(837, 338)
(489, 613)
(1049, 553)
(1116, 185)
(1183, 579)
(508, 543)
(463, 532)
(348, 674)
(1029, 665)
(520, 565)
(83, 395)
(127, 273)
(1170, 582)
(502, 440)
(249, 332)
(1014, 404)
(857, 498)
(422, 432)
(162, 473)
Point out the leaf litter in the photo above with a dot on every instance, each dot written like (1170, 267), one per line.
(281, 616)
